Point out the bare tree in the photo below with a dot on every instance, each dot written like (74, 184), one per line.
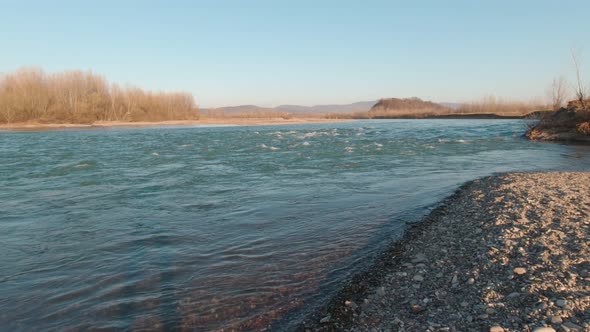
(581, 89)
(558, 92)
(83, 97)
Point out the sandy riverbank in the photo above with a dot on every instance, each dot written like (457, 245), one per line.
(504, 253)
(188, 123)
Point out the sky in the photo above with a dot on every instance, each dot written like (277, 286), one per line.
(272, 52)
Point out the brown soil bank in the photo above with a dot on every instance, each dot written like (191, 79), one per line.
(504, 253)
(570, 124)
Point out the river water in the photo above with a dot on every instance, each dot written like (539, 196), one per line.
(205, 228)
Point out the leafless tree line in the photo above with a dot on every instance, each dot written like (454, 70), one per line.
(494, 105)
(83, 97)
(559, 91)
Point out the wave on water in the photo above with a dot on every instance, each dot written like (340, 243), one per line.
(445, 140)
(272, 148)
(71, 168)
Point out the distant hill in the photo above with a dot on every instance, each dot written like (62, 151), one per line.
(387, 105)
(243, 109)
(360, 106)
(406, 104)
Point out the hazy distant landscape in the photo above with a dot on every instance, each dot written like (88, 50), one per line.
(31, 96)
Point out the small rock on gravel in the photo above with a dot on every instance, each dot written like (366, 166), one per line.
(418, 278)
(544, 329)
(415, 308)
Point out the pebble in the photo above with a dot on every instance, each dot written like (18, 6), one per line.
(496, 328)
(418, 278)
(561, 303)
(519, 271)
(569, 326)
(556, 320)
(325, 319)
(544, 329)
(380, 291)
(416, 308)
(542, 306)
(513, 295)
(350, 304)
(470, 281)
(420, 258)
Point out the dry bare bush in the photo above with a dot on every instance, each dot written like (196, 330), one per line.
(558, 92)
(498, 106)
(584, 128)
(83, 97)
(581, 89)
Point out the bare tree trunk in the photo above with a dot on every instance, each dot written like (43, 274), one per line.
(580, 87)
(558, 92)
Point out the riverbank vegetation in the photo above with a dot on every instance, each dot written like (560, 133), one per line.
(570, 123)
(487, 107)
(31, 95)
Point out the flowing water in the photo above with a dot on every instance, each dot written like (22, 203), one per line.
(234, 227)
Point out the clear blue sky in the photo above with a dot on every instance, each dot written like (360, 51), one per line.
(304, 51)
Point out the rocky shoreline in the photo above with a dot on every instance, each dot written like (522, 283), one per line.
(556, 135)
(504, 253)
(569, 125)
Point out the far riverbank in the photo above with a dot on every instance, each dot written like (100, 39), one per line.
(202, 122)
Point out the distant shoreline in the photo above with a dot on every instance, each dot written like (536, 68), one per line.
(187, 123)
(34, 126)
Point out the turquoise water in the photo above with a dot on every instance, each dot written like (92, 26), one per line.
(235, 227)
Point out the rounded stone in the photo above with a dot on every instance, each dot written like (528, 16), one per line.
(496, 328)
(544, 329)
(519, 271)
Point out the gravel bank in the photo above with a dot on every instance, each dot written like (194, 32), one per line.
(504, 253)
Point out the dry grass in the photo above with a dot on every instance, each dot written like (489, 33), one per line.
(498, 106)
(584, 128)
